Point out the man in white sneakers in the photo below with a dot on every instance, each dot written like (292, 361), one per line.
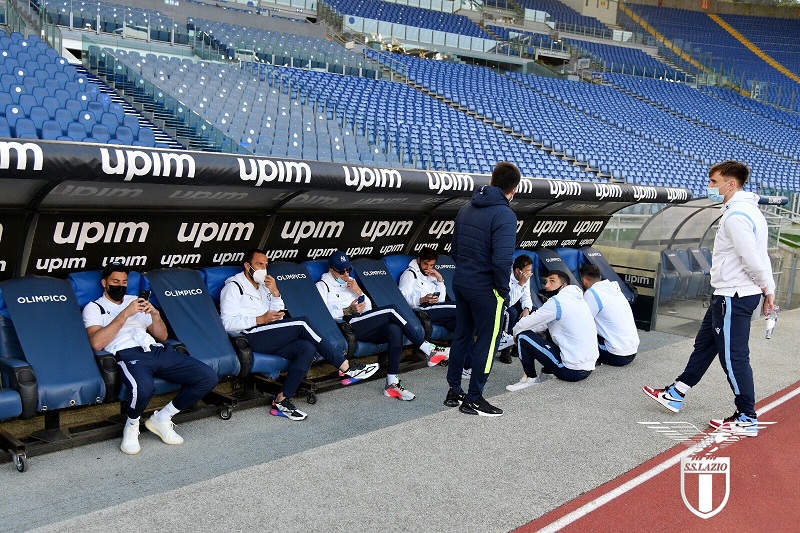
(251, 305)
(347, 302)
(613, 316)
(741, 273)
(572, 353)
(132, 329)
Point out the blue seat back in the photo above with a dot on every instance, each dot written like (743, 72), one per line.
(574, 260)
(383, 289)
(698, 260)
(48, 323)
(397, 264)
(594, 257)
(550, 260)
(302, 299)
(194, 319)
(86, 285)
(447, 268)
(214, 278)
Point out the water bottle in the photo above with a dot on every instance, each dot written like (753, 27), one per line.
(772, 319)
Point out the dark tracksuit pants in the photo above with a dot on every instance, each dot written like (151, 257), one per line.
(139, 368)
(610, 359)
(385, 324)
(443, 315)
(479, 313)
(294, 340)
(532, 348)
(725, 332)
(513, 316)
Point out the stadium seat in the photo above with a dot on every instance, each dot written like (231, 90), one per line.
(593, 256)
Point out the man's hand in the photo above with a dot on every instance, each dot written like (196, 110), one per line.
(139, 305)
(356, 308)
(271, 286)
(433, 272)
(353, 286)
(769, 304)
(269, 316)
(429, 299)
(525, 312)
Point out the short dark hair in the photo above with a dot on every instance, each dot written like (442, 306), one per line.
(590, 271)
(505, 176)
(114, 266)
(249, 254)
(522, 261)
(560, 273)
(732, 169)
(427, 254)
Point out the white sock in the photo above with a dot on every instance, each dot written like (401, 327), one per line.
(682, 387)
(391, 379)
(132, 421)
(166, 414)
(426, 348)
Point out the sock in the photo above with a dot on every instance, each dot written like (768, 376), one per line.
(166, 413)
(391, 379)
(426, 348)
(132, 421)
(682, 387)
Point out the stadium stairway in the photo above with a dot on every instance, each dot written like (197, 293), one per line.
(161, 137)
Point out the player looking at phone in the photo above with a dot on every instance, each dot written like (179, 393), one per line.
(423, 288)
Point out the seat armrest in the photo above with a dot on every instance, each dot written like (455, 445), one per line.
(350, 336)
(19, 375)
(425, 320)
(244, 353)
(109, 370)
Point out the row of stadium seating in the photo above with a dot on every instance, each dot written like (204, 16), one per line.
(37, 378)
(685, 274)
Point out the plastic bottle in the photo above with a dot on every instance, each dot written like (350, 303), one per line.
(771, 319)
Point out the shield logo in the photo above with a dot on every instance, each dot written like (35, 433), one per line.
(705, 484)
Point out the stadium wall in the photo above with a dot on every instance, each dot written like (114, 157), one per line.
(727, 8)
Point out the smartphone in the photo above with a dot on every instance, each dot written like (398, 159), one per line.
(361, 299)
(437, 294)
(144, 295)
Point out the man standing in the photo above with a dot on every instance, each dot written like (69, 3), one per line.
(251, 305)
(572, 353)
(613, 317)
(741, 273)
(483, 243)
(347, 302)
(132, 329)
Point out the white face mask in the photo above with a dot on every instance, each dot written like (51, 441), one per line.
(258, 275)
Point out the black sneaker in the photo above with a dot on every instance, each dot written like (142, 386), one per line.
(454, 399)
(480, 407)
(504, 356)
(287, 409)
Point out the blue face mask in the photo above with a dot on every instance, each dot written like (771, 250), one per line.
(340, 281)
(714, 195)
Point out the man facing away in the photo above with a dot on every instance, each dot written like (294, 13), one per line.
(251, 305)
(132, 329)
(741, 273)
(613, 316)
(482, 247)
(348, 303)
(572, 353)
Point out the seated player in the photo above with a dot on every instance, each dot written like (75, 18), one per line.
(347, 302)
(132, 329)
(616, 328)
(423, 287)
(251, 305)
(520, 303)
(572, 352)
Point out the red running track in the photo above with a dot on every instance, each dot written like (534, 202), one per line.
(764, 486)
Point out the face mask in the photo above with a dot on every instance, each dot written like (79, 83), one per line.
(340, 281)
(550, 294)
(116, 292)
(258, 275)
(714, 195)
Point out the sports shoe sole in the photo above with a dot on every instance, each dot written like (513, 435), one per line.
(664, 403)
(473, 411)
(438, 360)
(276, 412)
(153, 429)
(397, 396)
(747, 431)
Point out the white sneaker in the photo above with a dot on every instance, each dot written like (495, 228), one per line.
(523, 383)
(466, 373)
(130, 439)
(165, 430)
(395, 390)
(438, 355)
(506, 341)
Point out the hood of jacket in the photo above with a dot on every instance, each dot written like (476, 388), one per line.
(488, 196)
(742, 196)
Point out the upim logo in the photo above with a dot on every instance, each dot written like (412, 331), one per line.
(298, 230)
(641, 192)
(446, 181)
(677, 194)
(548, 226)
(559, 188)
(525, 186)
(280, 171)
(607, 190)
(211, 231)
(441, 227)
(383, 228)
(371, 177)
(97, 192)
(132, 163)
(587, 226)
(305, 199)
(205, 195)
(21, 152)
(83, 233)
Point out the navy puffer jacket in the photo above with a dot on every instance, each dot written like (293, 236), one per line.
(483, 241)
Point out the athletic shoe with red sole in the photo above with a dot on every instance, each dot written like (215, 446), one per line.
(395, 390)
(737, 424)
(669, 397)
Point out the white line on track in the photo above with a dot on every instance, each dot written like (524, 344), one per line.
(587, 508)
